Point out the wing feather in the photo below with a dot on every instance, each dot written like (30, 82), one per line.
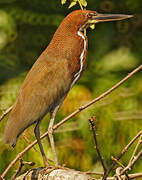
(46, 83)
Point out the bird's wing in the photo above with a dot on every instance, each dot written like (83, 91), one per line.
(46, 83)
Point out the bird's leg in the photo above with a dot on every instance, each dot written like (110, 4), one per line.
(37, 135)
(50, 133)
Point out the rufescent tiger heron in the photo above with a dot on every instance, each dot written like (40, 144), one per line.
(52, 76)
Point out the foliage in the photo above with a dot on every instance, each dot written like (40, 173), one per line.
(82, 3)
(26, 28)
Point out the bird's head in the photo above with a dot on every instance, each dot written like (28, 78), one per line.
(83, 19)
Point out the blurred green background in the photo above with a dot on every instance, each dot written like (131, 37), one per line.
(115, 49)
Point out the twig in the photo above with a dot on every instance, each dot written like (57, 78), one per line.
(127, 176)
(119, 170)
(29, 142)
(21, 154)
(135, 150)
(22, 163)
(131, 176)
(72, 115)
(117, 162)
(5, 113)
(129, 167)
(121, 154)
(91, 120)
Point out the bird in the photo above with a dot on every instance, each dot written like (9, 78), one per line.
(52, 76)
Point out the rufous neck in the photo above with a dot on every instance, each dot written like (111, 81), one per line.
(64, 38)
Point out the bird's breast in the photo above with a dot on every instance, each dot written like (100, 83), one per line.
(72, 46)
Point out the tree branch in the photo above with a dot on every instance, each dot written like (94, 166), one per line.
(121, 154)
(91, 120)
(131, 176)
(135, 150)
(132, 163)
(5, 113)
(60, 174)
(53, 173)
(22, 163)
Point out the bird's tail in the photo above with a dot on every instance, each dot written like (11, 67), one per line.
(10, 134)
(13, 127)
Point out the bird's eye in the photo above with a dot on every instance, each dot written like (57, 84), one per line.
(89, 15)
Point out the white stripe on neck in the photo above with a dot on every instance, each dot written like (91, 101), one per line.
(77, 75)
(82, 54)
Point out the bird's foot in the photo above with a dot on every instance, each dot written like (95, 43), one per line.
(49, 169)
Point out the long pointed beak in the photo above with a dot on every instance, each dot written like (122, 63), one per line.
(109, 17)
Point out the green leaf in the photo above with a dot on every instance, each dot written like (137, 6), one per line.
(92, 26)
(73, 3)
(63, 1)
(83, 2)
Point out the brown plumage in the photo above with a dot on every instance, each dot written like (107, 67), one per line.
(47, 82)
(39, 93)
(52, 76)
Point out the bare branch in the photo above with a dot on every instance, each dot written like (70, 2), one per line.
(20, 155)
(22, 163)
(5, 113)
(29, 142)
(131, 176)
(65, 173)
(53, 173)
(119, 170)
(129, 167)
(117, 162)
(136, 148)
(91, 120)
(121, 154)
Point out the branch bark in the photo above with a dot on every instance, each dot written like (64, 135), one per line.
(91, 120)
(63, 174)
(56, 174)
(121, 154)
